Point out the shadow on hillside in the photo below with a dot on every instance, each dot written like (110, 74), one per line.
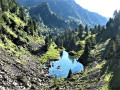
(112, 68)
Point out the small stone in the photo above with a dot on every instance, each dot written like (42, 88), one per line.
(2, 73)
(1, 76)
(15, 84)
(2, 88)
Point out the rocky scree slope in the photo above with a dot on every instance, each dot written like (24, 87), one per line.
(20, 64)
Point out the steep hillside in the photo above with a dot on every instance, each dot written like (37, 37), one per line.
(22, 50)
(49, 18)
(69, 9)
(111, 54)
(101, 59)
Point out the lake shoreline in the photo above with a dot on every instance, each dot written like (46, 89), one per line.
(60, 68)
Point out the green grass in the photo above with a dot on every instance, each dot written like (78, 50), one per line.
(80, 52)
(106, 87)
(51, 54)
(11, 48)
(17, 20)
(36, 39)
(8, 45)
(100, 65)
(9, 31)
(107, 77)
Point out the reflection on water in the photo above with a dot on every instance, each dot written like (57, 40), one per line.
(61, 67)
(61, 54)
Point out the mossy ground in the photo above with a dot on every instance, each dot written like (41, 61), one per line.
(51, 54)
(8, 43)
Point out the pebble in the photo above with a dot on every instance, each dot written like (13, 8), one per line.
(2, 88)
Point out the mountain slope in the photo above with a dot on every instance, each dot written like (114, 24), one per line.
(69, 9)
(101, 60)
(22, 54)
(21, 48)
(49, 18)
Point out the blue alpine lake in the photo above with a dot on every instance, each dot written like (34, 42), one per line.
(66, 62)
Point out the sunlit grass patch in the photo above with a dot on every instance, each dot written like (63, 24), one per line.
(51, 54)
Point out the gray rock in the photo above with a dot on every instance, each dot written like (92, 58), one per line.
(2, 88)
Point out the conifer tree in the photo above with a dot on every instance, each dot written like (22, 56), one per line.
(22, 14)
(88, 46)
(3, 6)
(69, 74)
(103, 28)
(47, 40)
(30, 27)
(80, 28)
(99, 28)
(111, 50)
(13, 9)
(86, 30)
(35, 25)
(95, 28)
(93, 42)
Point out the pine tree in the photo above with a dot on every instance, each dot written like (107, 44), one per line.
(86, 52)
(13, 9)
(95, 28)
(76, 30)
(35, 25)
(30, 27)
(3, 7)
(86, 30)
(21, 14)
(69, 74)
(92, 31)
(112, 50)
(93, 42)
(88, 46)
(115, 14)
(99, 28)
(61, 43)
(74, 41)
(103, 28)
(6, 19)
(81, 28)
(47, 40)
(109, 23)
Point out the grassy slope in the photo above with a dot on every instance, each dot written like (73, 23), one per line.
(99, 74)
(20, 57)
(82, 80)
(88, 79)
(79, 53)
(51, 54)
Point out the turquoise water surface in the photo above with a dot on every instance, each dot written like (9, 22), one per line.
(61, 67)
